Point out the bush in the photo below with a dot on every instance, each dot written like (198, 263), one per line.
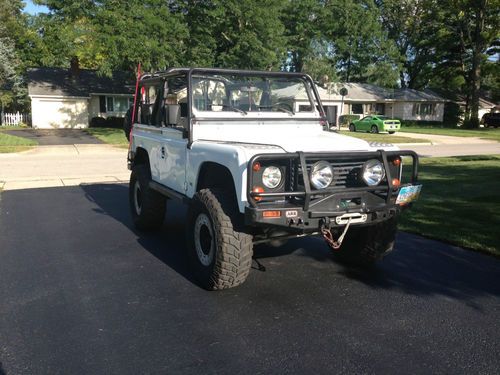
(421, 124)
(345, 120)
(110, 122)
(114, 122)
(98, 122)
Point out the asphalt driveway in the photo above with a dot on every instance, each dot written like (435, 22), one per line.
(82, 293)
(56, 137)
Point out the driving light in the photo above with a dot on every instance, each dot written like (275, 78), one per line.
(321, 175)
(271, 177)
(373, 172)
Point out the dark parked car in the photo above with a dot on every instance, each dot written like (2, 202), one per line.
(491, 119)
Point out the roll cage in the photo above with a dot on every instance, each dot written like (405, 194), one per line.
(188, 73)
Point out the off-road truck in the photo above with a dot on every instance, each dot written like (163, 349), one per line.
(248, 152)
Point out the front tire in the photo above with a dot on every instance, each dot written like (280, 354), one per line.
(363, 246)
(146, 205)
(352, 128)
(220, 253)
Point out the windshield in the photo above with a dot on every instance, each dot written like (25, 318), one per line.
(249, 94)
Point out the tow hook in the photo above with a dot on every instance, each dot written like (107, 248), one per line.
(328, 236)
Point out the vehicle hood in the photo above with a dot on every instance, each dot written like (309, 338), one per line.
(279, 138)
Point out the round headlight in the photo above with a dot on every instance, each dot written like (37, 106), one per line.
(321, 175)
(373, 172)
(271, 177)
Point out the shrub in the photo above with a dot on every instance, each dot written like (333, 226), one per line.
(114, 122)
(421, 124)
(345, 120)
(98, 122)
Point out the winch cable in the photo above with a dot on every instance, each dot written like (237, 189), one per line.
(328, 236)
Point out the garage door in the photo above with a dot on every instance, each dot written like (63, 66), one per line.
(51, 113)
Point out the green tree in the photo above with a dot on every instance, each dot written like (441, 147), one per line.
(12, 25)
(412, 25)
(471, 29)
(250, 34)
(361, 49)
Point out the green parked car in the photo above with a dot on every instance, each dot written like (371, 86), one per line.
(375, 124)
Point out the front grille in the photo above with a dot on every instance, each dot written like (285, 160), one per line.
(345, 174)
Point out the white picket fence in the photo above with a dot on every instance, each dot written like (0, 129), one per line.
(14, 119)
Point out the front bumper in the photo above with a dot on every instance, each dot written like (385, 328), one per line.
(306, 210)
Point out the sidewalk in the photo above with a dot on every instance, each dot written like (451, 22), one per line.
(446, 139)
(68, 165)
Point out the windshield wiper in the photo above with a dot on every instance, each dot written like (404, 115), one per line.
(278, 107)
(234, 109)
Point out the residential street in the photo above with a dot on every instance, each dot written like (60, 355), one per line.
(83, 293)
(69, 165)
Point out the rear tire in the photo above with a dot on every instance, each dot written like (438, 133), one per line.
(147, 206)
(392, 132)
(364, 246)
(374, 129)
(352, 127)
(220, 253)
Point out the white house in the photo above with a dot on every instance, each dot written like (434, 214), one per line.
(70, 98)
(363, 99)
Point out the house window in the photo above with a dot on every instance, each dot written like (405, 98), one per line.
(116, 103)
(357, 108)
(424, 109)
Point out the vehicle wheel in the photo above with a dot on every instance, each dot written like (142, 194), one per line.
(146, 205)
(220, 253)
(392, 132)
(127, 123)
(352, 128)
(363, 246)
(374, 129)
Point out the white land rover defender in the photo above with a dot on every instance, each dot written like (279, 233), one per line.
(247, 151)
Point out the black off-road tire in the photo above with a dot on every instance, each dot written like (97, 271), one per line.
(374, 129)
(147, 206)
(363, 246)
(352, 127)
(220, 253)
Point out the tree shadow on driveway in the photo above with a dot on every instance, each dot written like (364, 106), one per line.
(418, 266)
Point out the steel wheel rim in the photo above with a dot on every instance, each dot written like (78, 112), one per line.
(204, 240)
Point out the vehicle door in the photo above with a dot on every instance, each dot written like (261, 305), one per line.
(147, 133)
(366, 123)
(173, 121)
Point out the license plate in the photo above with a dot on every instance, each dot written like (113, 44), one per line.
(408, 194)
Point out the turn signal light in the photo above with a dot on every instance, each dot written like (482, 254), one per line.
(397, 162)
(396, 182)
(256, 166)
(270, 214)
(258, 189)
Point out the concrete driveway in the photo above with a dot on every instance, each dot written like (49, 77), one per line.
(56, 137)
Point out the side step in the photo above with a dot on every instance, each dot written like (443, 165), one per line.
(169, 193)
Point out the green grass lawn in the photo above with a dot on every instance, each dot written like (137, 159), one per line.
(109, 135)
(487, 133)
(10, 143)
(459, 202)
(383, 138)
